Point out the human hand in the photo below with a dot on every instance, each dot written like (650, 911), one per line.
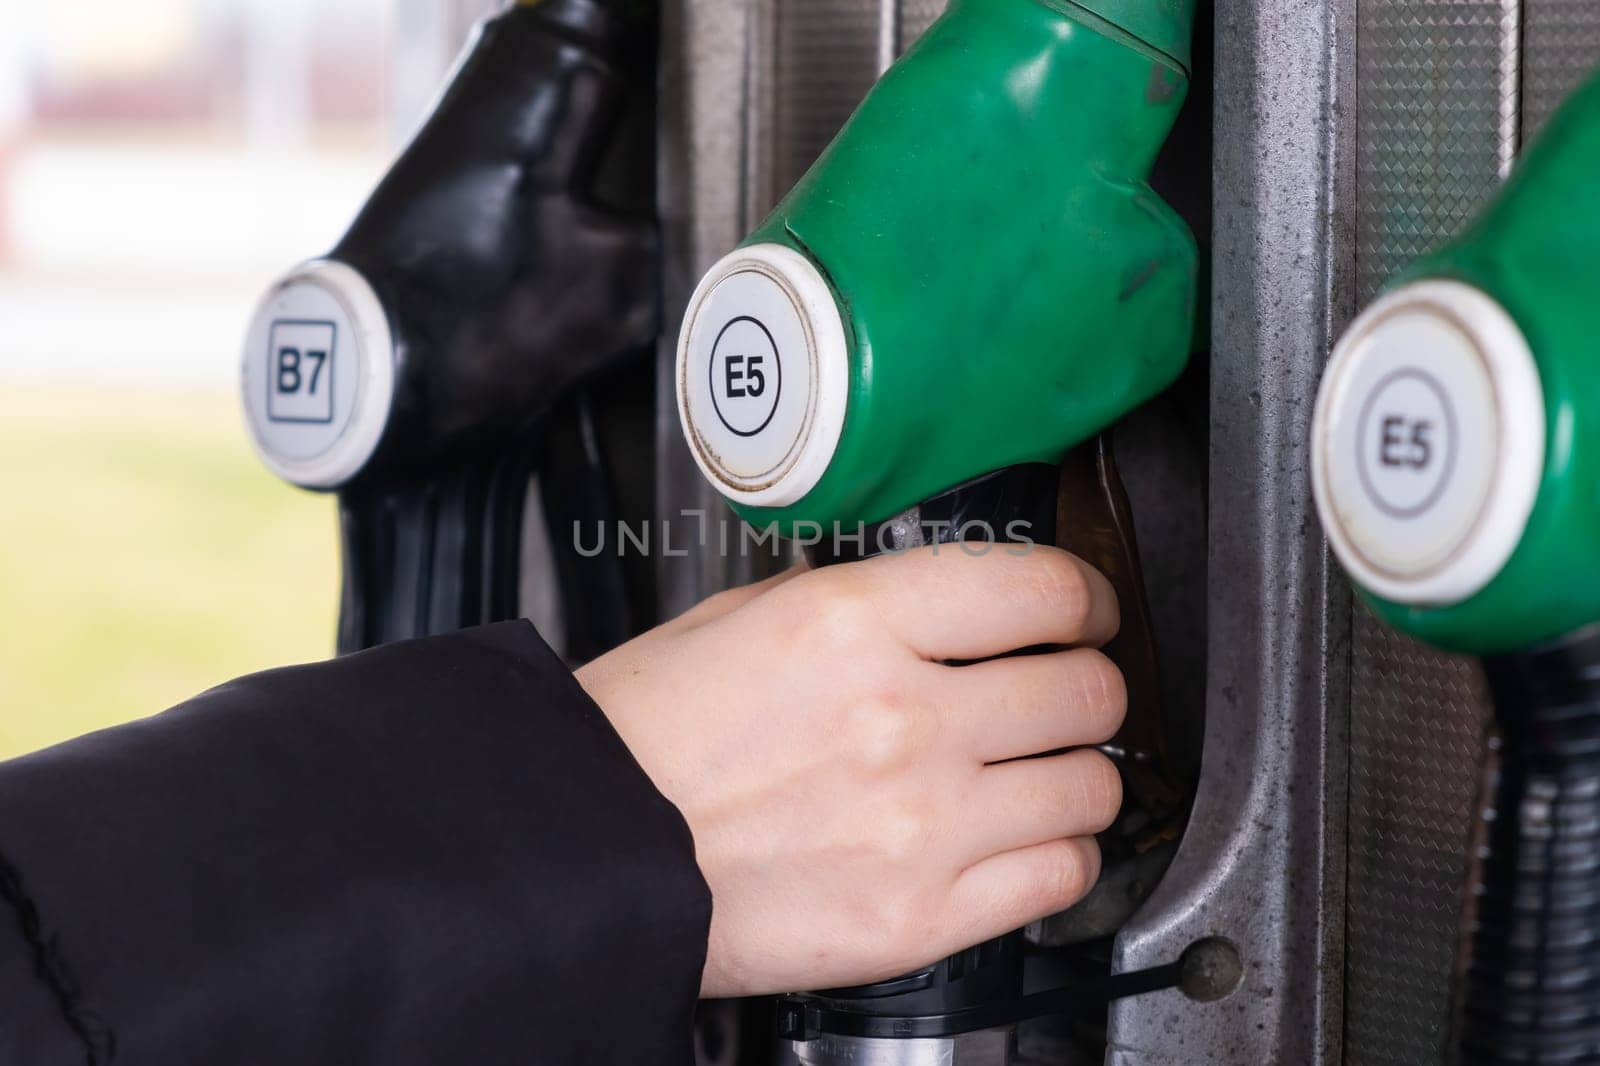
(857, 805)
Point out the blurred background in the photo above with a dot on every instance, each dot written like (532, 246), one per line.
(161, 161)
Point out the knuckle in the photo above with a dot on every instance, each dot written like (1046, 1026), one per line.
(839, 616)
(885, 731)
(904, 832)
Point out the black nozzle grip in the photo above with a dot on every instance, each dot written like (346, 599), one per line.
(512, 244)
(1529, 978)
(512, 248)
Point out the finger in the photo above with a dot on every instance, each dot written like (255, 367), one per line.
(1020, 804)
(1008, 891)
(948, 604)
(725, 603)
(1029, 704)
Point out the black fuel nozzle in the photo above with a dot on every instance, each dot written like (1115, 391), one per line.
(506, 262)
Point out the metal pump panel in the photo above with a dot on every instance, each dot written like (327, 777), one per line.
(1351, 137)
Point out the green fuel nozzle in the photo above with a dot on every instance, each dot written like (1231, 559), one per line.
(1457, 438)
(975, 275)
(1457, 471)
(974, 280)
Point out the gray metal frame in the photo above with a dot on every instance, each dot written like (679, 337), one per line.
(1262, 864)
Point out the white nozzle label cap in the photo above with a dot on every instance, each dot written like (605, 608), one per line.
(1429, 444)
(763, 376)
(318, 375)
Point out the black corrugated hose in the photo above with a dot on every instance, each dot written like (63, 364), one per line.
(1531, 993)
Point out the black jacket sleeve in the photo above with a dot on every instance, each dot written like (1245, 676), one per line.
(436, 852)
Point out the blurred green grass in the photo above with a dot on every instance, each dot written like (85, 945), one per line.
(145, 556)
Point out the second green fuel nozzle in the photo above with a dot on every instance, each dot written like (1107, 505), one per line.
(974, 277)
(1457, 437)
(1456, 451)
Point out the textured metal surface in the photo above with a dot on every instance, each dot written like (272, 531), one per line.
(1438, 114)
(1439, 118)
(1416, 741)
(1561, 42)
(826, 57)
(1262, 862)
(916, 16)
